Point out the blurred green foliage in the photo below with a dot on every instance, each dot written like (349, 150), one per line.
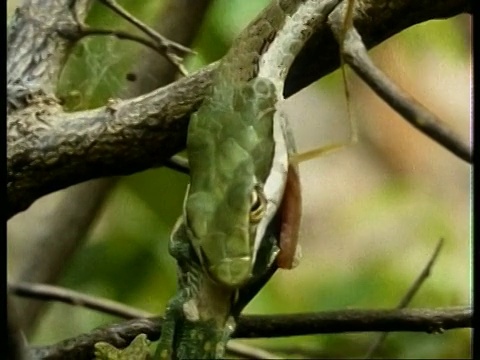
(125, 257)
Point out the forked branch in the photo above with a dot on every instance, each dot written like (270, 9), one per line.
(356, 55)
(48, 150)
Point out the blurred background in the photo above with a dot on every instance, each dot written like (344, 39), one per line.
(373, 211)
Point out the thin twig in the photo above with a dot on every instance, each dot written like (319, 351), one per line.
(167, 45)
(120, 34)
(57, 293)
(421, 277)
(408, 296)
(254, 326)
(356, 55)
(163, 41)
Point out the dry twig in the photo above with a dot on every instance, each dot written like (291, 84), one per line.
(167, 46)
(425, 273)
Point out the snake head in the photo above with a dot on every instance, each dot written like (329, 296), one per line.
(230, 146)
(222, 231)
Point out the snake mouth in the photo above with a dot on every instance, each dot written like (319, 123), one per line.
(232, 272)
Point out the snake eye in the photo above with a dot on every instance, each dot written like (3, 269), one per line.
(258, 205)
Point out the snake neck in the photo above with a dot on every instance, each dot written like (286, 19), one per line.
(241, 63)
(270, 43)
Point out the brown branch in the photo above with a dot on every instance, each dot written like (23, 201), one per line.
(255, 326)
(166, 46)
(53, 150)
(36, 51)
(120, 34)
(60, 294)
(416, 114)
(422, 320)
(162, 40)
(346, 321)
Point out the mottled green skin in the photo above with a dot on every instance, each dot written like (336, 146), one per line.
(137, 350)
(230, 148)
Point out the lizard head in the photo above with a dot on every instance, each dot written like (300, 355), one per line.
(230, 147)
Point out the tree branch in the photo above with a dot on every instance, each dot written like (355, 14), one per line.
(56, 293)
(346, 321)
(414, 112)
(48, 150)
(255, 326)
(36, 50)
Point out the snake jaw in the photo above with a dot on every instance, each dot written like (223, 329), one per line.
(232, 271)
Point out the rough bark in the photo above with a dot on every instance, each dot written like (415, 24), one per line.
(48, 149)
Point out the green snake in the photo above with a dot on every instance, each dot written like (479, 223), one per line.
(239, 146)
(242, 207)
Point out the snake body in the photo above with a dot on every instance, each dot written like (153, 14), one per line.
(239, 144)
(242, 207)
